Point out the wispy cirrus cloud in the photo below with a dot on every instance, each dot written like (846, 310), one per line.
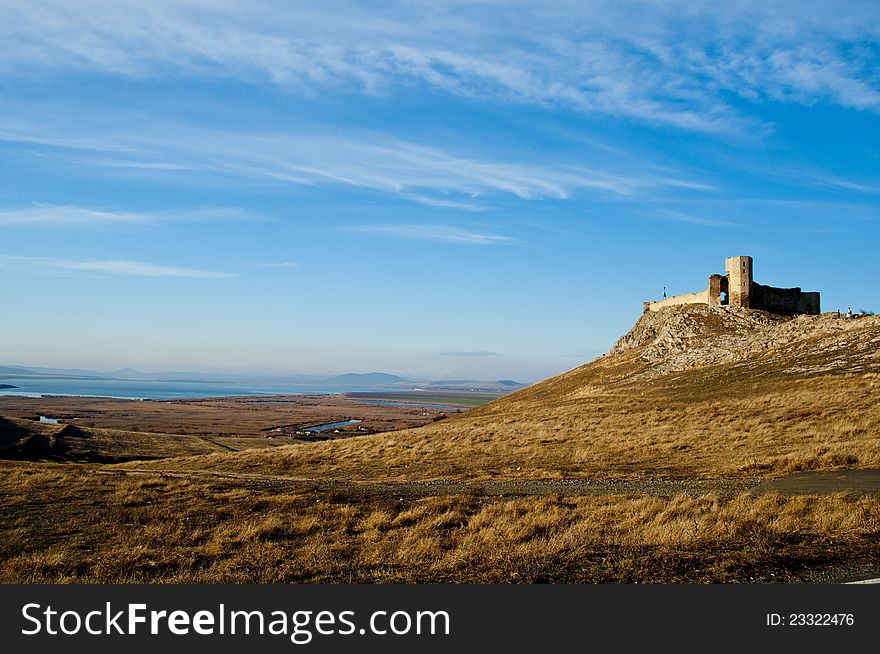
(673, 63)
(56, 215)
(427, 174)
(436, 233)
(104, 266)
(692, 218)
(280, 264)
(768, 215)
(52, 214)
(444, 203)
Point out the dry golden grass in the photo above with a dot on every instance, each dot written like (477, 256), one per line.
(807, 403)
(819, 423)
(20, 438)
(88, 527)
(811, 404)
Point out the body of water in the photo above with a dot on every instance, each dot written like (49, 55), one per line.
(159, 390)
(332, 425)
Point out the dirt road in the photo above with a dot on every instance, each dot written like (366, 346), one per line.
(853, 482)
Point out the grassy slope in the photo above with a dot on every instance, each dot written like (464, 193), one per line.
(65, 523)
(30, 440)
(806, 402)
(26, 439)
(809, 401)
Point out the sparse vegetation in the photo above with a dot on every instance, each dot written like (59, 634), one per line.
(780, 397)
(707, 422)
(87, 527)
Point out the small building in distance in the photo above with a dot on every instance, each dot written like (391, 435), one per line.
(736, 288)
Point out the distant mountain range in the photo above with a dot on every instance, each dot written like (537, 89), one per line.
(5, 370)
(367, 380)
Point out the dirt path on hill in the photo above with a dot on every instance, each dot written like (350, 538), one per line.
(853, 482)
(213, 442)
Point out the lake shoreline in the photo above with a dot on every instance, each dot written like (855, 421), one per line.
(155, 390)
(279, 418)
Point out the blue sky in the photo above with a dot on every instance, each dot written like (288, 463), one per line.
(450, 189)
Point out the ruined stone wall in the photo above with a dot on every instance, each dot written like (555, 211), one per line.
(687, 298)
(717, 284)
(810, 303)
(784, 301)
(744, 293)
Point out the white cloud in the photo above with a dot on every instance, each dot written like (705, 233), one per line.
(110, 267)
(280, 264)
(436, 233)
(426, 174)
(683, 217)
(68, 215)
(672, 62)
(51, 214)
(443, 203)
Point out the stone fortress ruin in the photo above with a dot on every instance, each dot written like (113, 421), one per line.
(736, 288)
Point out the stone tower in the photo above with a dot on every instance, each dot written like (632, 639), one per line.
(717, 285)
(739, 281)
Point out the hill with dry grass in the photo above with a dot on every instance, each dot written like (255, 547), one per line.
(645, 465)
(26, 439)
(689, 392)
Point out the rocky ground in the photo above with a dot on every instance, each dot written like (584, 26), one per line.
(689, 336)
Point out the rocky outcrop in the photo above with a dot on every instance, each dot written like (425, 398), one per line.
(683, 337)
